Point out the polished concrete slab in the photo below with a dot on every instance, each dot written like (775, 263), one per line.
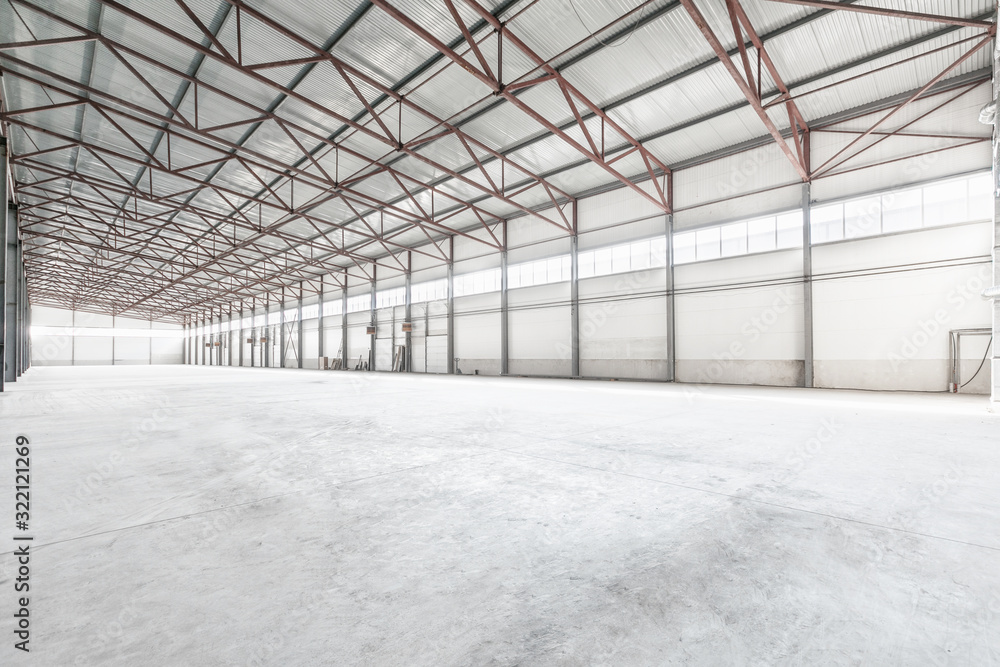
(228, 516)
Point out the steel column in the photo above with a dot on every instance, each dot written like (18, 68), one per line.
(343, 323)
(321, 333)
(241, 341)
(406, 317)
(254, 336)
(504, 309)
(371, 342)
(4, 235)
(19, 332)
(451, 304)
(807, 285)
(671, 315)
(298, 352)
(574, 296)
(283, 338)
(995, 361)
(10, 298)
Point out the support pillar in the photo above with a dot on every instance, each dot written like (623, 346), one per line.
(240, 341)
(321, 332)
(671, 317)
(267, 342)
(371, 343)
(995, 291)
(807, 297)
(254, 336)
(574, 296)
(451, 304)
(301, 330)
(283, 338)
(4, 213)
(504, 325)
(19, 333)
(408, 361)
(10, 298)
(343, 323)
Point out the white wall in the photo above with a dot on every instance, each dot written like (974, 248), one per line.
(70, 347)
(884, 306)
(740, 320)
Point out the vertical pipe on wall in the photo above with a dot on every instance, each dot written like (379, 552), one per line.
(807, 291)
(451, 304)
(408, 338)
(301, 330)
(504, 326)
(574, 288)
(671, 316)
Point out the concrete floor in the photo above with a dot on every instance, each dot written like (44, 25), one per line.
(215, 516)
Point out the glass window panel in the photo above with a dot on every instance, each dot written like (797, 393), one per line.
(540, 272)
(902, 210)
(827, 223)
(620, 256)
(527, 274)
(491, 280)
(513, 276)
(567, 267)
(553, 268)
(602, 262)
(478, 283)
(658, 251)
(709, 243)
(946, 203)
(734, 239)
(640, 256)
(862, 217)
(789, 229)
(760, 235)
(684, 248)
(585, 264)
(981, 197)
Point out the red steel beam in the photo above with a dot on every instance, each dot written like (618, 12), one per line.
(832, 163)
(894, 13)
(795, 157)
(572, 94)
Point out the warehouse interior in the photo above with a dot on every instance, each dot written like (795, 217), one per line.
(504, 332)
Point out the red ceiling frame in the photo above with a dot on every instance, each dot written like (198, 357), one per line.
(574, 98)
(838, 159)
(893, 13)
(750, 85)
(177, 125)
